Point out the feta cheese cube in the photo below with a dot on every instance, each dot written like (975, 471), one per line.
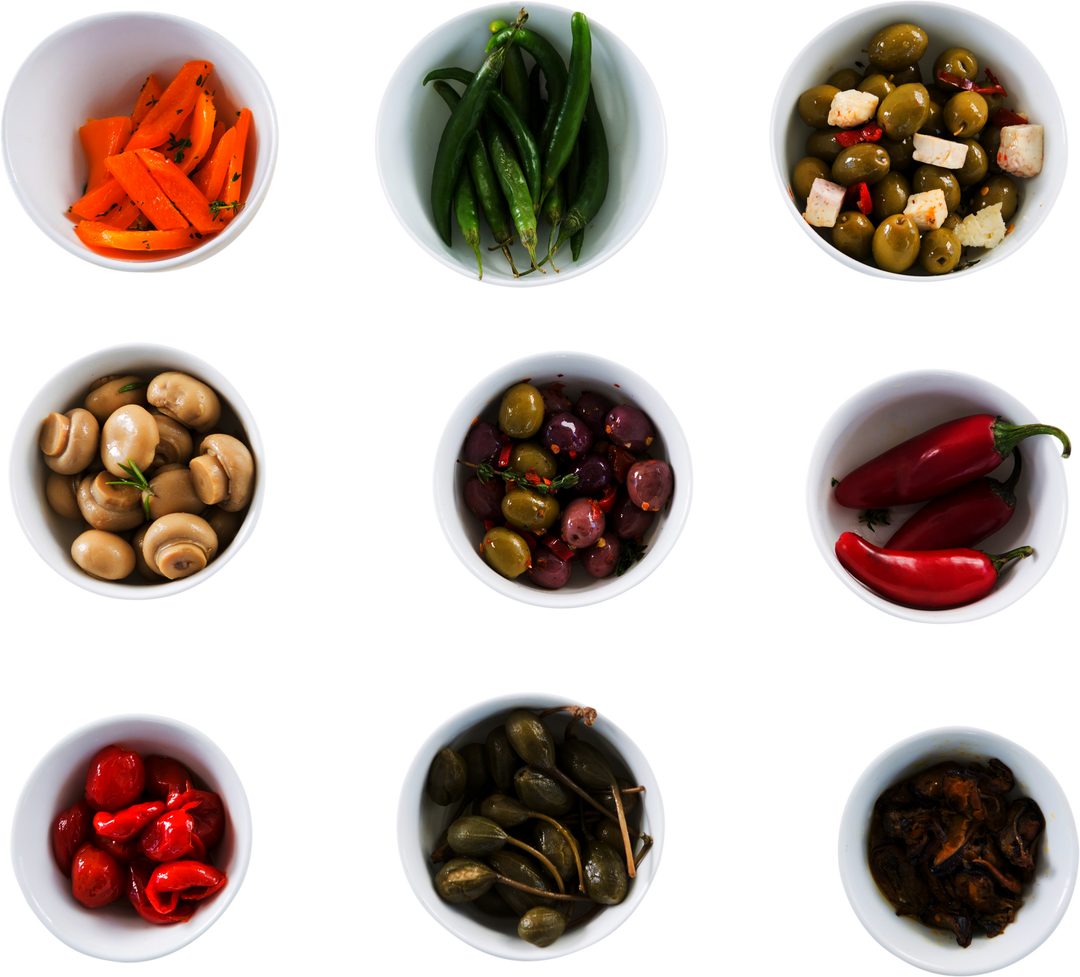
(928, 209)
(939, 152)
(852, 108)
(984, 229)
(1021, 150)
(824, 203)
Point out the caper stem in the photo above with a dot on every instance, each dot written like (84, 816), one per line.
(570, 841)
(539, 892)
(555, 772)
(644, 849)
(617, 796)
(542, 858)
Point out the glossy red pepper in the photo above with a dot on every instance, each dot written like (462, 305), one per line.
(122, 851)
(96, 877)
(969, 86)
(871, 132)
(209, 813)
(558, 547)
(927, 579)
(606, 502)
(504, 456)
(126, 824)
(858, 198)
(115, 779)
(1005, 117)
(173, 881)
(171, 837)
(937, 461)
(71, 829)
(139, 873)
(964, 517)
(165, 776)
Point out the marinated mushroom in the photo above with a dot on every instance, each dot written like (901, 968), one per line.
(114, 508)
(69, 441)
(224, 472)
(225, 524)
(103, 555)
(174, 446)
(146, 571)
(129, 435)
(185, 399)
(172, 490)
(62, 491)
(109, 394)
(179, 544)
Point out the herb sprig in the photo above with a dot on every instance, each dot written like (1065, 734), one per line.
(875, 516)
(137, 480)
(179, 145)
(137, 385)
(530, 480)
(218, 205)
(632, 551)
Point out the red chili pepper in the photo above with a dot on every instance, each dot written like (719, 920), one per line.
(115, 779)
(606, 502)
(122, 851)
(209, 814)
(969, 86)
(488, 524)
(139, 873)
(871, 132)
(937, 461)
(1003, 117)
(621, 460)
(96, 878)
(504, 455)
(126, 824)
(173, 881)
(171, 836)
(928, 579)
(964, 517)
(529, 538)
(165, 776)
(71, 830)
(558, 547)
(531, 477)
(858, 196)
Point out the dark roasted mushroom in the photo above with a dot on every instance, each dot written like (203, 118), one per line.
(944, 918)
(1023, 825)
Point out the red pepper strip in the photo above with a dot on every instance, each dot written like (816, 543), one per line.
(504, 455)
(165, 776)
(209, 815)
(968, 85)
(126, 824)
(621, 460)
(928, 579)
(531, 477)
(171, 836)
(937, 461)
(871, 132)
(606, 502)
(1003, 117)
(173, 881)
(488, 524)
(530, 538)
(558, 547)
(962, 518)
(139, 873)
(858, 195)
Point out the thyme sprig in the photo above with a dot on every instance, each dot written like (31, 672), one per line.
(218, 205)
(137, 385)
(874, 517)
(137, 480)
(632, 551)
(530, 480)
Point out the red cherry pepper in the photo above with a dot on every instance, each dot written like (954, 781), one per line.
(126, 824)
(171, 836)
(937, 461)
(871, 132)
(165, 776)
(927, 579)
(70, 831)
(173, 881)
(964, 517)
(209, 813)
(122, 851)
(115, 779)
(96, 878)
(139, 873)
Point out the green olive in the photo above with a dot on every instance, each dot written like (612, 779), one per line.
(903, 111)
(911, 75)
(823, 145)
(990, 140)
(965, 115)
(814, 105)
(530, 456)
(889, 196)
(522, 411)
(529, 511)
(806, 171)
(994, 101)
(957, 61)
(853, 234)
(865, 162)
(975, 164)
(506, 551)
(937, 178)
(845, 79)
(999, 189)
(896, 243)
(935, 122)
(939, 251)
(952, 222)
(897, 46)
(901, 153)
(877, 85)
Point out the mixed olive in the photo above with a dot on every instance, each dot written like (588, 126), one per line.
(558, 482)
(145, 467)
(539, 826)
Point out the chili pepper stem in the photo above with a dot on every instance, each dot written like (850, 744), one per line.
(539, 892)
(1008, 436)
(1020, 553)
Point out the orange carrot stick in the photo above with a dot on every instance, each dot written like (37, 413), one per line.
(101, 138)
(100, 235)
(121, 215)
(173, 107)
(234, 174)
(211, 178)
(95, 204)
(179, 189)
(202, 131)
(149, 95)
(131, 174)
(178, 140)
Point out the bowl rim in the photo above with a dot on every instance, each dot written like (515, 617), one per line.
(779, 111)
(417, 773)
(852, 860)
(257, 193)
(445, 508)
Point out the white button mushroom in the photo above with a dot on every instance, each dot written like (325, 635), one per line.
(172, 491)
(185, 399)
(146, 571)
(69, 441)
(174, 444)
(114, 508)
(224, 472)
(103, 555)
(179, 544)
(225, 524)
(105, 395)
(62, 491)
(130, 434)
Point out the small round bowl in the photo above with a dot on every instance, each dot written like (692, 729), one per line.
(1045, 901)
(114, 932)
(412, 118)
(52, 535)
(420, 822)
(900, 407)
(579, 371)
(94, 68)
(1030, 90)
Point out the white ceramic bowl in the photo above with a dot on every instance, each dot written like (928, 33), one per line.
(1030, 90)
(412, 118)
(52, 535)
(579, 371)
(94, 68)
(898, 408)
(115, 932)
(1045, 901)
(421, 821)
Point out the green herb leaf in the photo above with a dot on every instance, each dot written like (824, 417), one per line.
(485, 472)
(875, 516)
(632, 551)
(133, 386)
(835, 483)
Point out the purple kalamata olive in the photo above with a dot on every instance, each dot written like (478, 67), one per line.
(593, 410)
(628, 520)
(601, 559)
(483, 442)
(564, 432)
(594, 474)
(649, 484)
(485, 500)
(583, 523)
(555, 401)
(629, 428)
(548, 570)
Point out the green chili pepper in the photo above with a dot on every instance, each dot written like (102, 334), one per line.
(515, 76)
(537, 103)
(563, 134)
(551, 64)
(468, 215)
(572, 176)
(594, 175)
(463, 122)
(553, 212)
(514, 186)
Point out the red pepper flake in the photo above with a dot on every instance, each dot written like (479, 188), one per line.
(560, 375)
(527, 380)
(554, 449)
(606, 502)
(474, 420)
(573, 454)
(1009, 230)
(858, 196)
(617, 386)
(558, 547)
(1003, 117)
(504, 455)
(621, 460)
(547, 481)
(871, 132)
(488, 524)
(969, 86)
(557, 387)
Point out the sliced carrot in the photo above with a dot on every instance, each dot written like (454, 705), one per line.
(234, 174)
(202, 131)
(100, 235)
(101, 138)
(95, 204)
(211, 178)
(149, 95)
(132, 175)
(123, 214)
(179, 189)
(175, 104)
(177, 141)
